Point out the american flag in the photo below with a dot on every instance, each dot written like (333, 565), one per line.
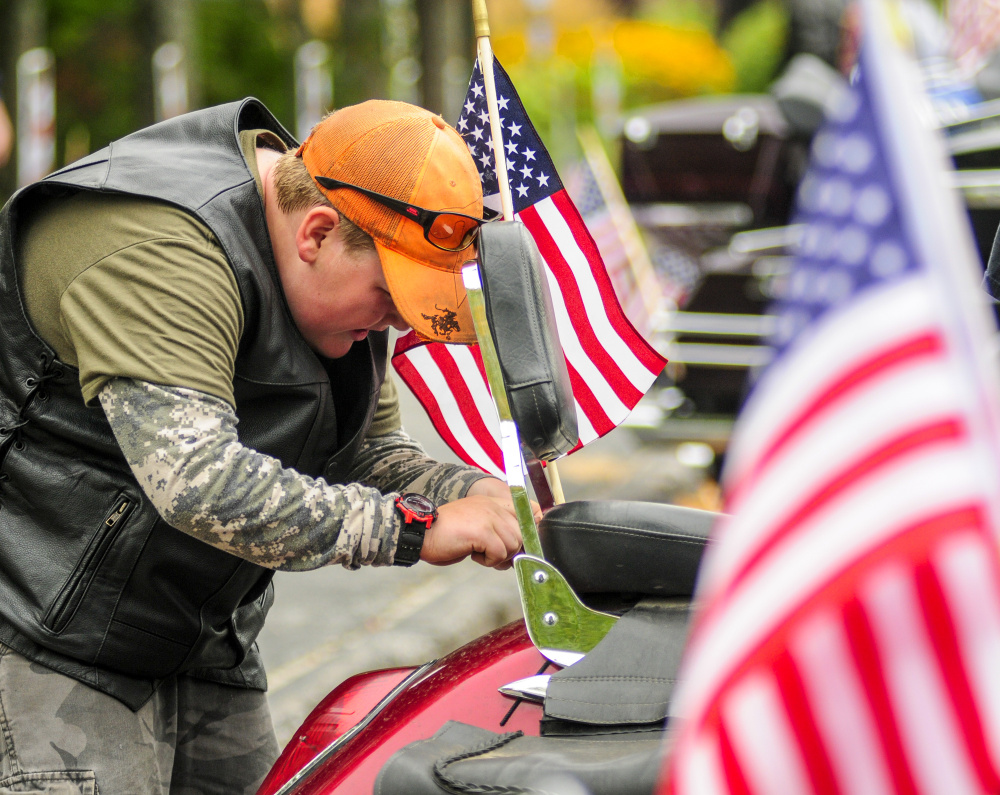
(678, 271)
(848, 632)
(586, 194)
(611, 366)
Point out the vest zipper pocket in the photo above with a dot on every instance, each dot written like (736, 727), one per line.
(69, 599)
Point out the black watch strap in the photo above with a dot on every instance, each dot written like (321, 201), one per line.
(418, 513)
(411, 541)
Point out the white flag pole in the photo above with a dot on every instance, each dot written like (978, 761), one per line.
(481, 24)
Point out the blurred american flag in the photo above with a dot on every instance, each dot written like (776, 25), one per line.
(583, 188)
(848, 633)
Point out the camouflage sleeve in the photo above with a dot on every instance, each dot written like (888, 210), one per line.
(395, 462)
(183, 449)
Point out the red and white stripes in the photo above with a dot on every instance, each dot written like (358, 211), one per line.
(611, 367)
(450, 383)
(849, 629)
(892, 689)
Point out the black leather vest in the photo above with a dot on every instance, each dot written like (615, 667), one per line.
(92, 582)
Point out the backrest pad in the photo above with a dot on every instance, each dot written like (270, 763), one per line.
(522, 321)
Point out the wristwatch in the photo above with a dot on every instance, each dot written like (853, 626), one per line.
(419, 514)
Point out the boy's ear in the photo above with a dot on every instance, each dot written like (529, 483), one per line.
(318, 224)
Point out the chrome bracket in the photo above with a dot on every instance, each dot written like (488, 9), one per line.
(562, 628)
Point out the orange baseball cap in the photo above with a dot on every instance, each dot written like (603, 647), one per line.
(410, 154)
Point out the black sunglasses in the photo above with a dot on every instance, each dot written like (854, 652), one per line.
(446, 230)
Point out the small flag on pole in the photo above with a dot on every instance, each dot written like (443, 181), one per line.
(596, 214)
(594, 189)
(611, 366)
(848, 633)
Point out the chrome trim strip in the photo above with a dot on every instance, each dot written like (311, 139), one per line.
(694, 214)
(754, 241)
(336, 745)
(510, 448)
(983, 111)
(532, 688)
(705, 353)
(561, 657)
(729, 325)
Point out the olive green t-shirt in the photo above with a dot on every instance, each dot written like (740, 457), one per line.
(124, 286)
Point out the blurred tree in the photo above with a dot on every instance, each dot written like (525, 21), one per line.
(320, 17)
(246, 48)
(22, 27)
(400, 49)
(176, 29)
(103, 53)
(446, 55)
(361, 72)
(657, 61)
(233, 49)
(756, 40)
(729, 10)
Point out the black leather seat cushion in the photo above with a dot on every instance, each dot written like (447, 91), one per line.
(462, 758)
(519, 309)
(619, 547)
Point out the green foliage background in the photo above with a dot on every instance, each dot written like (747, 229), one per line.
(237, 48)
(104, 77)
(101, 75)
(756, 43)
(245, 49)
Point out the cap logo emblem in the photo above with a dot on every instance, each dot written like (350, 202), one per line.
(445, 324)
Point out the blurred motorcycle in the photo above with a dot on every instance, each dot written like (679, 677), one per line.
(712, 181)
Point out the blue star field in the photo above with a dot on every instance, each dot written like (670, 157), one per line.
(853, 235)
(531, 173)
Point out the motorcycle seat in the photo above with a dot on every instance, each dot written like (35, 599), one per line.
(618, 548)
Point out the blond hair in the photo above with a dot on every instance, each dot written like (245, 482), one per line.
(295, 190)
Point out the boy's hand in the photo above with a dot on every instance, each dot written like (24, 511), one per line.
(493, 487)
(479, 526)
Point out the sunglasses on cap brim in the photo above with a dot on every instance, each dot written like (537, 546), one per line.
(445, 230)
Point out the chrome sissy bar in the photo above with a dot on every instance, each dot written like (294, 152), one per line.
(562, 628)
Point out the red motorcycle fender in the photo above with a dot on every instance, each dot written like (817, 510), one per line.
(347, 739)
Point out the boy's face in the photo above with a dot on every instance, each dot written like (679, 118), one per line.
(341, 298)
